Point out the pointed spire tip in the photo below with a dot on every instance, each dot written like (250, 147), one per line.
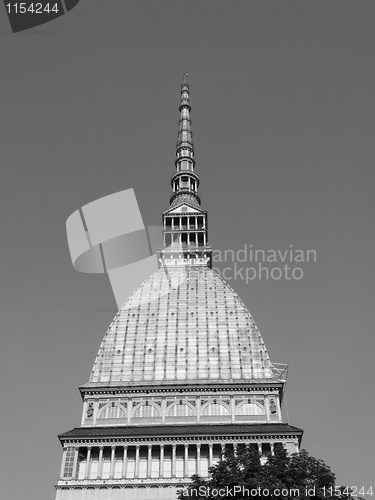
(184, 78)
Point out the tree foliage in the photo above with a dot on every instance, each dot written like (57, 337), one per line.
(242, 476)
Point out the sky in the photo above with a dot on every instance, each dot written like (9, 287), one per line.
(283, 119)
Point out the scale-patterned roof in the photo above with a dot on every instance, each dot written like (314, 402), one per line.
(183, 325)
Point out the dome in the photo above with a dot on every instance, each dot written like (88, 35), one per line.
(183, 325)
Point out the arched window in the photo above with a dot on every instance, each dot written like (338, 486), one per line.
(146, 411)
(112, 411)
(249, 409)
(180, 410)
(214, 409)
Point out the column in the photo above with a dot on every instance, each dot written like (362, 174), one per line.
(63, 464)
(198, 459)
(232, 409)
(186, 461)
(161, 461)
(113, 458)
(96, 411)
(210, 454)
(173, 460)
(85, 405)
(198, 410)
(278, 409)
(88, 460)
(100, 462)
(267, 407)
(74, 473)
(260, 448)
(129, 409)
(125, 462)
(163, 409)
(136, 472)
(272, 448)
(149, 461)
(196, 222)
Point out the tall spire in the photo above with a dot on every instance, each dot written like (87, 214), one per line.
(185, 222)
(185, 182)
(185, 136)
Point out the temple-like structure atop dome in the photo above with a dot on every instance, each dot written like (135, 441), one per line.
(182, 372)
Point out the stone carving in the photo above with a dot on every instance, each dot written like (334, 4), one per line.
(273, 408)
(90, 410)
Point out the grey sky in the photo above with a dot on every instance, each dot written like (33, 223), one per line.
(283, 120)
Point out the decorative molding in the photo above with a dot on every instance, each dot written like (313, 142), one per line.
(180, 440)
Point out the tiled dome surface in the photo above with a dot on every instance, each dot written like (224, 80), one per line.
(181, 326)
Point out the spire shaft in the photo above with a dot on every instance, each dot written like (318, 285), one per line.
(185, 181)
(185, 222)
(185, 135)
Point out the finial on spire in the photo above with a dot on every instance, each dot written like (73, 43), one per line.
(185, 99)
